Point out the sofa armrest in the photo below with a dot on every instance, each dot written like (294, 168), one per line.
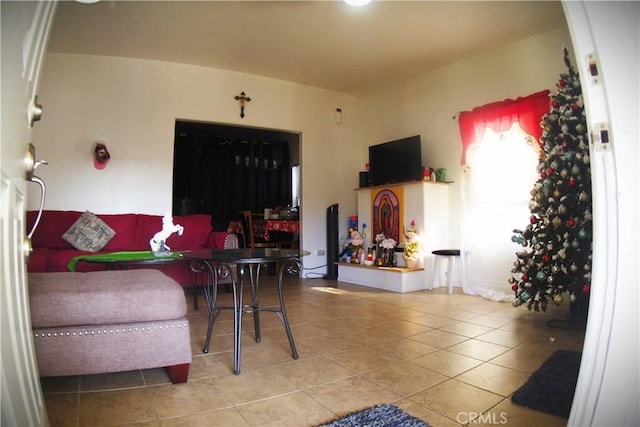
(217, 239)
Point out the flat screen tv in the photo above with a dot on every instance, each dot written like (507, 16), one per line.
(396, 161)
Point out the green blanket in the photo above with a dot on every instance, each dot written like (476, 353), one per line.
(119, 256)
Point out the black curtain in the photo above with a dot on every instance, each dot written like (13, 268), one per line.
(230, 174)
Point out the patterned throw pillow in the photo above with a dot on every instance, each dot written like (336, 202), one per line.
(89, 233)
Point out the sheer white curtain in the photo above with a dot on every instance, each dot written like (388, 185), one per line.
(499, 173)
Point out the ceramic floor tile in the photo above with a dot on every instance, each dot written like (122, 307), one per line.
(502, 337)
(494, 378)
(466, 329)
(373, 336)
(351, 394)
(255, 385)
(521, 360)
(479, 349)
(453, 313)
(212, 365)
(403, 328)
(446, 362)
(342, 326)
(425, 414)
(440, 339)
(363, 360)
(404, 349)
(219, 418)
(126, 406)
(330, 344)
(432, 321)
(267, 353)
(295, 409)
(454, 399)
(405, 379)
(489, 321)
(62, 409)
(308, 330)
(218, 344)
(176, 400)
(314, 371)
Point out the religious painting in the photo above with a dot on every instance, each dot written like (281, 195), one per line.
(386, 214)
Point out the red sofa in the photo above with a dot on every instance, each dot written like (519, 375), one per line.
(133, 231)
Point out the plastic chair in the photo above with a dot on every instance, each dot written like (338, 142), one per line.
(451, 255)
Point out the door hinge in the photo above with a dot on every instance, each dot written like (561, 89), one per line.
(592, 66)
(601, 137)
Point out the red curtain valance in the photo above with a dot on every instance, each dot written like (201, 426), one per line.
(499, 116)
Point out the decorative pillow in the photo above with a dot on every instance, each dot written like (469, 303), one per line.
(89, 233)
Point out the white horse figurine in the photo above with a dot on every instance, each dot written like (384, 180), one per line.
(158, 241)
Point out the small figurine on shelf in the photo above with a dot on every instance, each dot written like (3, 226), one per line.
(378, 244)
(389, 246)
(411, 245)
(369, 259)
(353, 246)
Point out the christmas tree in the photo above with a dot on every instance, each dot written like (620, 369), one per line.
(556, 259)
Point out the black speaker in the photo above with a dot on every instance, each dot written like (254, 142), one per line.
(364, 179)
(332, 242)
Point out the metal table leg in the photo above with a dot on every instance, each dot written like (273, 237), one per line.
(282, 314)
(237, 320)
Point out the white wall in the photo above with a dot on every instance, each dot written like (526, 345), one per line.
(427, 104)
(132, 106)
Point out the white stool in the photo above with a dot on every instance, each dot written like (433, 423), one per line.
(452, 255)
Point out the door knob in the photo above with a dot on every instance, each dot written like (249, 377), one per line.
(35, 111)
(30, 165)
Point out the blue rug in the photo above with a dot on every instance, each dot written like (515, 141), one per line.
(377, 416)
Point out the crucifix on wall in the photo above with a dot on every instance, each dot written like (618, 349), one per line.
(243, 98)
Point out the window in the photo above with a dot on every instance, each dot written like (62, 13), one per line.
(500, 157)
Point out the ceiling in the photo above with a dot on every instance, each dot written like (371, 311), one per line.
(325, 44)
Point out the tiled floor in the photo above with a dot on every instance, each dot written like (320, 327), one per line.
(443, 358)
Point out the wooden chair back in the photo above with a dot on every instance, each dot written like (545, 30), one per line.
(251, 241)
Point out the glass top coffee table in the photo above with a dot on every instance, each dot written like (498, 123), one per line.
(238, 263)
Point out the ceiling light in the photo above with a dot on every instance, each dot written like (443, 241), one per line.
(357, 2)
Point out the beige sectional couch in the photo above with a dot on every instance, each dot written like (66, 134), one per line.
(109, 321)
